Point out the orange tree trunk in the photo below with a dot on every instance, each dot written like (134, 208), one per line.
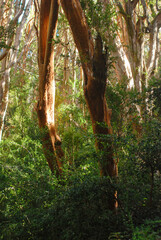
(46, 103)
(94, 66)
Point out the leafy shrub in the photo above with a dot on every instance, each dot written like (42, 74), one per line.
(150, 230)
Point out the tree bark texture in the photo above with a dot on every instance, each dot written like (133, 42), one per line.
(46, 104)
(136, 31)
(94, 63)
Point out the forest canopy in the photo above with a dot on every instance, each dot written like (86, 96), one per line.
(80, 119)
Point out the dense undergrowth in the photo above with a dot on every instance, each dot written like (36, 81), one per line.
(34, 204)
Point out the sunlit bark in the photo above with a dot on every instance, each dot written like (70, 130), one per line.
(4, 93)
(46, 104)
(154, 45)
(66, 57)
(134, 28)
(9, 57)
(10, 25)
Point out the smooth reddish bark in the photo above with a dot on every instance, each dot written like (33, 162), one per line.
(94, 63)
(46, 104)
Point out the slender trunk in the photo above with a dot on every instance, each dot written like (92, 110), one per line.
(66, 58)
(153, 50)
(151, 186)
(74, 76)
(10, 59)
(46, 104)
(4, 94)
(132, 36)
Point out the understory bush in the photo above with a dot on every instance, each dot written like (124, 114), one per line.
(36, 205)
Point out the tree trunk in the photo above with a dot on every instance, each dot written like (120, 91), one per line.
(66, 58)
(10, 22)
(46, 104)
(130, 42)
(9, 59)
(4, 93)
(94, 66)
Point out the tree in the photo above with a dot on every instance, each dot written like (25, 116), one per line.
(137, 41)
(9, 23)
(94, 63)
(46, 103)
(10, 36)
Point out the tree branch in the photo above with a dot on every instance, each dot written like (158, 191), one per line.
(134, 3)
(13, 22)
(79, 27)
(157, 20)
(145, 11)
(121, 10)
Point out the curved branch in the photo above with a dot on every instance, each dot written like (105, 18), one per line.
(145, 11)
(80, 29)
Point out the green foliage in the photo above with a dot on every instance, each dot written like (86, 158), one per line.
(150, 230)
(137, 149)
(25, 186)
(149, 146)
(100, 19)
(34, 204)
(6, 34)
(83, 211)
(154, 91)
(124, 105)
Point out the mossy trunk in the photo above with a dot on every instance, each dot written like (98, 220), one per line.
(94, 63)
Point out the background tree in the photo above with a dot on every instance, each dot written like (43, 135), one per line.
(11, 34)
(137, 41)
(35, 204)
